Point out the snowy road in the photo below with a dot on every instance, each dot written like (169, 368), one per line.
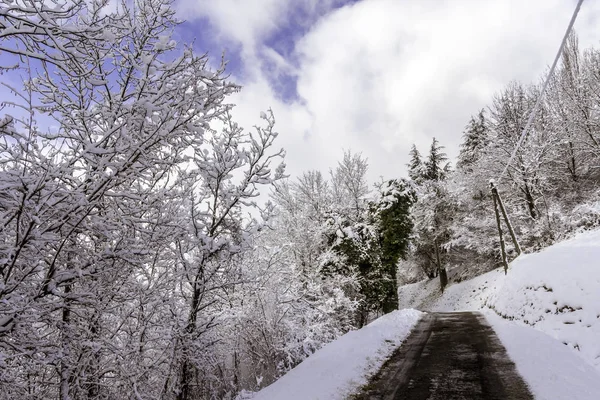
(449, 356)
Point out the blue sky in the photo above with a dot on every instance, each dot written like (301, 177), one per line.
(376, 76)
(293, 22)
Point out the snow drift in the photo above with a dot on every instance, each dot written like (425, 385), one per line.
(556, 291)
(341, 367)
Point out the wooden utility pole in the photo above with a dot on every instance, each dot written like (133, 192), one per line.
(502, 247)
(441, 271)
(505, 215)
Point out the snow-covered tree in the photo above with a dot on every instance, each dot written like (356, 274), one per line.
(431, 212)
(395, 228)
(349, 182)
(436, 167)
(122, 219)
(475, 140)
(415, 165)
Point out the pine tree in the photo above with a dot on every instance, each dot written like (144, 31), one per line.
(436, 167)
(475, 139)
(415, 166)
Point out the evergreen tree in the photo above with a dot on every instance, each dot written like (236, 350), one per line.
(394, 228)
(371, 245)
(436, 167)
(415, 166)
(475, 139)
(429, 213)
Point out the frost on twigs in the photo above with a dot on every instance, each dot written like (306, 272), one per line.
(123, 226)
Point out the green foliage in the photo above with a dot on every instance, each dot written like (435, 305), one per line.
(395, 228)
(372, 244)
(435, 168)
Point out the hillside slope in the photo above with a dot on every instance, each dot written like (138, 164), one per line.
(556, 291)
(341, 367)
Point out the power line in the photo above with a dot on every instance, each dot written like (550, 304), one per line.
(540, 97)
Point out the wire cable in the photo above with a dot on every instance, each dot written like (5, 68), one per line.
(541, 96)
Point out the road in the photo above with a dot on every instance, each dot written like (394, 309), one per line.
(448, 356)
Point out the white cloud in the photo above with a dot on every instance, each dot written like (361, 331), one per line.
(237, 20)
(379, 75)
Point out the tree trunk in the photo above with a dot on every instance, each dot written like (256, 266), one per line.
(441, 271)
(443, 279)
(572, 165)
(391, 299)
(185, 379)
(530, 202)
(186, 366)
(93, 369)
(65, 368)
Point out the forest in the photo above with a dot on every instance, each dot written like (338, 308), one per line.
(550, 188)
(138, 258)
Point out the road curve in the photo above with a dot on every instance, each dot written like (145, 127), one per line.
(448, 356)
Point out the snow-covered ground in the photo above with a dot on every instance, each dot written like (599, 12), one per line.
(546, 312)
(551, 370)
(557, 293)
(341, 367)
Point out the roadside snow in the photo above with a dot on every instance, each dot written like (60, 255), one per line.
(551, 370)
(556, 291)
(341, 367)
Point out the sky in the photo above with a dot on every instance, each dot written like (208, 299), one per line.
(376, 76)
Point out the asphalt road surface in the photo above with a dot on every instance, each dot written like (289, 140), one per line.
(449, 356)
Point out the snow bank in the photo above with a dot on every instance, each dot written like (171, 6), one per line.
(556, 291)
(341, 367)
(551, 370)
